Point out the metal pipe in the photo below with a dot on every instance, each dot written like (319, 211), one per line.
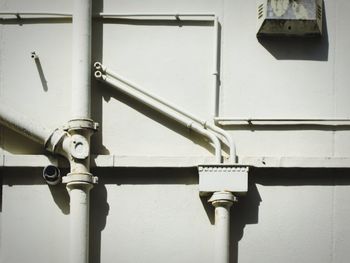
(153, 103)
(230, 142)
(80, 127)
(81, 59)
(216, 73)
(176, 15)
(222, 201)
(218, 130)
(79, 221)
(23, 125)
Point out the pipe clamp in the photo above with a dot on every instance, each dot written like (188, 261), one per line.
(79, 177)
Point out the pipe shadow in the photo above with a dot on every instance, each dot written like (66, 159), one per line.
(41, 74)
(36, 20)
(299, 48)
(98, 218)
(1, 184)
(244, 212)
(96, 94)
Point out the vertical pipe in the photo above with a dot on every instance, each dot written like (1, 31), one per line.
(222, 201)
(81, 59)
(222, 234)
(79, 221)
(216, 73)
(79, 190)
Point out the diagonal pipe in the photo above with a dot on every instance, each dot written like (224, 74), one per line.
(156, 105)
(229, 141)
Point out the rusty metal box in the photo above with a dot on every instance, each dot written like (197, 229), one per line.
(289, 17)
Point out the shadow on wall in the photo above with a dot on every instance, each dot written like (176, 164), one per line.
(33, 176)
(299, 48)
(96, 87)
(246, 210)
(99, 206)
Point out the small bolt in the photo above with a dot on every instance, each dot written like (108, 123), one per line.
(34, 55)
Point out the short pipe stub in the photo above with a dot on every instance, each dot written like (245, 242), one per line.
(52, 175)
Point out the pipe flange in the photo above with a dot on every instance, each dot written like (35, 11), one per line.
(222, 198)
(79, 124)
(79, 178)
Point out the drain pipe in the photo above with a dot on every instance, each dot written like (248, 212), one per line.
(80, 181)
(232, 147)
(222, 201)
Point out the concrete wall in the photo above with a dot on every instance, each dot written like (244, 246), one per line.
(155, 214)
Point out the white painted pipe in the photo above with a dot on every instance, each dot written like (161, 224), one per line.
(79, 221)
(222, 201)
(216, 73)
(218, 130)
(157, 15)
(208, 17)
(230, 142)
(23, 125)
(153, 103)
(81, 59)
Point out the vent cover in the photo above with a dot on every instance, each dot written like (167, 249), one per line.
(289, 17)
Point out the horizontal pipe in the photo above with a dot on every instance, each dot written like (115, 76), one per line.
(154, 104)
(281, 120)
(23, 125)
(209, 17)
(156, 14)
(230, 142)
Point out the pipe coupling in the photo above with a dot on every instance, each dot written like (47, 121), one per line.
(222, 198)
(79, 178)
(81, 124)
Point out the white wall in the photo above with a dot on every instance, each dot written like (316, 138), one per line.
(156, 215)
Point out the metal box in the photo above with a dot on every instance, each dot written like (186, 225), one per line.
(289, 17)
(215, 178)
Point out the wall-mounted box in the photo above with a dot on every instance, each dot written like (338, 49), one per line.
(289, 17)
(216, 178)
